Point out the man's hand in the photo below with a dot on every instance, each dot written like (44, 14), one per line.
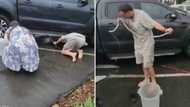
(161, 28)
(169, 30)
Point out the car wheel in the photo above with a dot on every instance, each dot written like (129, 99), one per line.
(4, 24)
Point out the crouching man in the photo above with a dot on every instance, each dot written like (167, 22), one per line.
(73, 42)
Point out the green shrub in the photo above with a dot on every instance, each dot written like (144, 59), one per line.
(88, 103)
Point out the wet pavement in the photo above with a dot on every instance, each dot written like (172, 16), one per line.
(119, 89)
(122, 92)
(57, 75)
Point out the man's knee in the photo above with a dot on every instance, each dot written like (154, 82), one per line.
(148, 68)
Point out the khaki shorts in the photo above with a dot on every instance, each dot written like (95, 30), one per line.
(146, 58)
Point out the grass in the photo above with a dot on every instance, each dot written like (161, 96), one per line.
(88, 103)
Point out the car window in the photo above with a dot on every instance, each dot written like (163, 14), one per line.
(112, 9)
(154, 10)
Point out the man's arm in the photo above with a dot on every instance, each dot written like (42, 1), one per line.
(59, 40)
(151, 23)
(161, 28)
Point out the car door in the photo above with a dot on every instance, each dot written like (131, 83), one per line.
(34, 13)
(71, 15)
(169, 43)
(119, 44)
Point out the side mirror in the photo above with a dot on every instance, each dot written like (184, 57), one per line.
(171, 16)
(82, 3)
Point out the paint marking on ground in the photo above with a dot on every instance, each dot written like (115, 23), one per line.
(54, 50)
(100, 78)
(142, 76)
(174, 68)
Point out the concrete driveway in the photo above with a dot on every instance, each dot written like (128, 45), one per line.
(57, 75)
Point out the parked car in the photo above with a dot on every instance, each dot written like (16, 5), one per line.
(186, 2)
(185, 7)
(49, 15)
(180, 11)
(119, 45)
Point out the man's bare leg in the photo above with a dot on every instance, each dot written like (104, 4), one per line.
(152, 75)
(153, 79)
(146, 77)
(69, 53)
(80, 56)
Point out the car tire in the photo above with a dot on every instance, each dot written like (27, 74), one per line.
(4, 24)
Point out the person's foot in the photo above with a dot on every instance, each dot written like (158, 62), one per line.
(142, 83)
(80, 56)
(74, 59)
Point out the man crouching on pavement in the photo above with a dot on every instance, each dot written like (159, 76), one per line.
(73, 44)
(141, 24)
